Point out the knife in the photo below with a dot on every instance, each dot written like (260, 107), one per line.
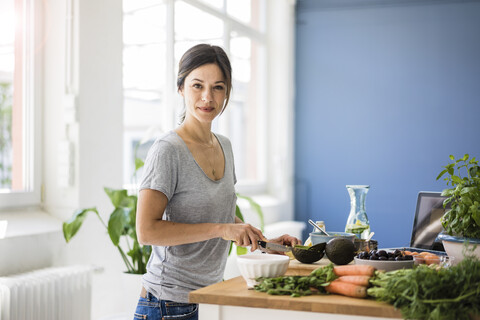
(264, 246)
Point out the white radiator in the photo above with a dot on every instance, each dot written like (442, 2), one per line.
(62, 293)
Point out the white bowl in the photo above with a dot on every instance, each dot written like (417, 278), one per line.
(253, 266)
(455, 246)
(385, 264)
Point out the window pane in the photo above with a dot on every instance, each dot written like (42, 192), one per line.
(132, 5)
(246, 108)
(11, 106)
(192, 24)
(6, 94)
(214, 3)
(248, 12)
(144, 26)
(144, 76)
(146, 52)
(7, 62)
(241, 10)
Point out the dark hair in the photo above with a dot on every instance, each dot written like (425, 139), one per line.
(198, 56)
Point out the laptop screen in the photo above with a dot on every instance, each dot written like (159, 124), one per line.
(427, 225)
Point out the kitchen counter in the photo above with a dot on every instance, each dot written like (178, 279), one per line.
(231, 298)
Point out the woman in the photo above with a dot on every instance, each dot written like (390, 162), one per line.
(186, 203)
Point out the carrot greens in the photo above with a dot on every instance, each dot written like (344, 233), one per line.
(297, 286)
(430, 293)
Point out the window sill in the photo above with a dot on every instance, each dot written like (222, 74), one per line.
(27, 222)
(31, 240)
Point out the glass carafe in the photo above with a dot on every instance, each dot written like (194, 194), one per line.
(357, 221)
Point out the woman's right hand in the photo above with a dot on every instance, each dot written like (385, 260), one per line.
(243, 234)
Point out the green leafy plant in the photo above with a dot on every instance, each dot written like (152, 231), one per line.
(427, 292)
(121, 222)
(463, 175)
(121, 225)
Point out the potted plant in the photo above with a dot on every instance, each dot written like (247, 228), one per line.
(462, 221)
(121, 225)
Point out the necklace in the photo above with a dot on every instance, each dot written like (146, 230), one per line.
(211, 146)
(204, 151)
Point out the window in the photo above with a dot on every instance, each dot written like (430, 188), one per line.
(18, 97)
(156, 34)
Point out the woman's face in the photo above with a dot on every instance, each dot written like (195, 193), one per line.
(204, 93)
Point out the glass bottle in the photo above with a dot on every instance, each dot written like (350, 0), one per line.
(357, 221)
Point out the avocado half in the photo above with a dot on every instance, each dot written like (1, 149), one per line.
(340, 251)
(309, 254)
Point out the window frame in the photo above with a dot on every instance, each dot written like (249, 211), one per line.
(32, 51)
(170, 116)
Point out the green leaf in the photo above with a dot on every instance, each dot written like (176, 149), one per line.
(448, 192)
(450, 169)
(116, 196)
(441, 174)
(71, 227)
(452, 157)
(473, 171)
(139, 163)
(116, 224)
(257, 208)
(456, 180)
(467, 190)
(238, 213)
(476, 213)
(241, 251)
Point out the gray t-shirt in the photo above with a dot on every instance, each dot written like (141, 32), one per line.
(174, 271)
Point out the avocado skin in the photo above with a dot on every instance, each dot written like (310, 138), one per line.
(340, 251)
(310, 255)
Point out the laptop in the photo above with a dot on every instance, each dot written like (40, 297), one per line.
(427, 224)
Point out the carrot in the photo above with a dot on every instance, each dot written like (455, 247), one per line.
(358, 280)
(347, 289)
(431, 259)
(425, 253)
(353, 270)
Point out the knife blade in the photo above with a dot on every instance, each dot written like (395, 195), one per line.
(273, 246)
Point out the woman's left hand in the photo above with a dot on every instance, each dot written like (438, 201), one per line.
(286, 240)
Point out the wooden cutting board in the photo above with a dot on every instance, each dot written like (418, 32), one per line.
(297, 268)
(234, 292)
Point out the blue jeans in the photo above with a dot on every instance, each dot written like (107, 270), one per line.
(151, 308)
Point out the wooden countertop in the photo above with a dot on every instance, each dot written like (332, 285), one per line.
(234, 292)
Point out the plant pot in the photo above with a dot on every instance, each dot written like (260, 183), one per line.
(456, 246)
(131, 285)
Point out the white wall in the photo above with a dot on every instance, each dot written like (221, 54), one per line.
(96, 136)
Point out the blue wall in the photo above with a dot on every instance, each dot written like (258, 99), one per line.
(384, 94)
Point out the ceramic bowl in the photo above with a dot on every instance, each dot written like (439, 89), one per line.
(454, 246)
(386, 265)
(252, 266)
(319, 237)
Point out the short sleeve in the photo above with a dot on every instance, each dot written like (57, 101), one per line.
(160, 169)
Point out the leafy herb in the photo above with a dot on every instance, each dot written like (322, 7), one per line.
(463, 196)
(432, 294)
(297, 286)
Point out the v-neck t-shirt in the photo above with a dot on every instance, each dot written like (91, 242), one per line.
(174, 271)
